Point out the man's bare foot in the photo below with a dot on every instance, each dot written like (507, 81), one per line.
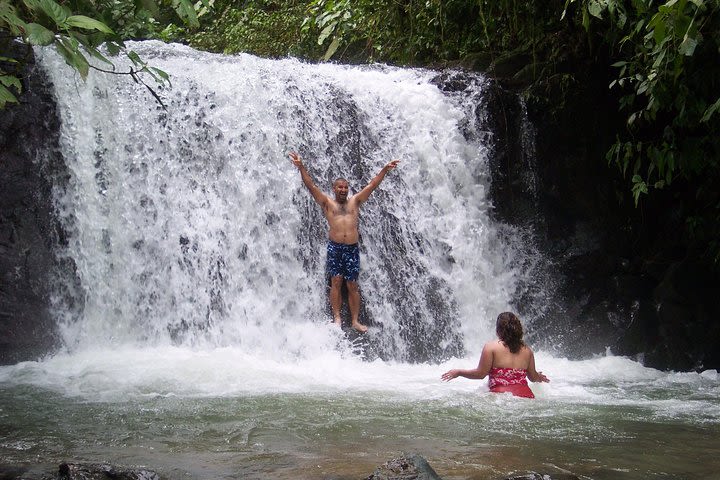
(338, 322)
(359, 327)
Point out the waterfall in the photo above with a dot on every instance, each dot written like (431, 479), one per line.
(189, 225)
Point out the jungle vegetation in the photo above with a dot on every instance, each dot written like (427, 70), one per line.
(664, 59)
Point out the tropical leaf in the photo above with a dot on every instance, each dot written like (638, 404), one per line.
(326, 32)
(6, 96)
(96, 53)
(595, 8)
(639, 187)
(68, 48)
(687, 47)
(113, 48)
(58, 13)
(711, 111)
(135, 58)
(81, 21)
(567, 4)
(332, 48)
(36, 34)
(11, 81)
(9, 18)
(156, 72)
(202, 7)
(186, 12)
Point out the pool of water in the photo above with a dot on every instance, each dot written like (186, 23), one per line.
(221, 414)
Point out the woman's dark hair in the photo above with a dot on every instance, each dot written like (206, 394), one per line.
(509, 330)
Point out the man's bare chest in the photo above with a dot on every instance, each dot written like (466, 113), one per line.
(342, 210)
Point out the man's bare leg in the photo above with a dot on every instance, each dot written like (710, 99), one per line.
(336, 298)
(354, 304)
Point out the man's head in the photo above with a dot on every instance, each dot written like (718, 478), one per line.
(340, 188)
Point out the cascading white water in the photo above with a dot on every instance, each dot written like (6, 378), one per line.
(195, 316)
(191, 226)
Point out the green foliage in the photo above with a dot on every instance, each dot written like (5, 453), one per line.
(263, 27)
(8, 82)
(668, 84)
(374, 29)
(78, 28)
(414, 31)
(665, 56)
(668, 75)
(403, 32)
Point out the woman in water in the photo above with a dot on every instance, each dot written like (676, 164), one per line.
(507, 360)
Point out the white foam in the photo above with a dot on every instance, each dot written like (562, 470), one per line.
(191, 225)
(199, 252)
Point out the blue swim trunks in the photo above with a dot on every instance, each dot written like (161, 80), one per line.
(343, 260)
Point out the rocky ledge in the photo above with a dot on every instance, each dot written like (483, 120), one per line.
(407, 467)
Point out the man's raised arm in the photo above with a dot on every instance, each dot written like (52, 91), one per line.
(316, 193)
(364, 194)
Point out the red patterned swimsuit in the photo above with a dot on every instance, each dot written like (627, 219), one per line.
(513, 380)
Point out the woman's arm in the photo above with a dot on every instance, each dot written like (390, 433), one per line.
(532, 374)
(483, 368)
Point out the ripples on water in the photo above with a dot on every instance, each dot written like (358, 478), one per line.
(222, 414)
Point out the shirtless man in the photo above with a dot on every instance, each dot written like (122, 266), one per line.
(343, 253)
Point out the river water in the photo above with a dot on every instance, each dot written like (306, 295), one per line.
(195, 334)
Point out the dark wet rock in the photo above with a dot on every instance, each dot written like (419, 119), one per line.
(510, 64)
(614, 276)
(26, 223)
(74, 471)
(686, 333)
(11, 472)
(415, 467)
(542, 476)
(409, 467)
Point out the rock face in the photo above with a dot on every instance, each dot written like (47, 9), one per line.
(27, 229)
(415, 467)
(73, 471)
(77, 471)
(623, 278)
(409, 467)
(542, 476)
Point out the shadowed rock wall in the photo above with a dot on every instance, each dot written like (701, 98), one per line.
(27, 230)
(625, 278)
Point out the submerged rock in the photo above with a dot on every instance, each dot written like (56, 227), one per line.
(74, 471)
(542, 476)
(415, 467)
(409, 467)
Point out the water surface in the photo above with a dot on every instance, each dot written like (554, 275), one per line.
(220, 414)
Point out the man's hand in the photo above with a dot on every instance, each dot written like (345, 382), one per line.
(392, 164)
(296, 159)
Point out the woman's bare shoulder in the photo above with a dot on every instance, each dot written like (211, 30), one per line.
(494, 345)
